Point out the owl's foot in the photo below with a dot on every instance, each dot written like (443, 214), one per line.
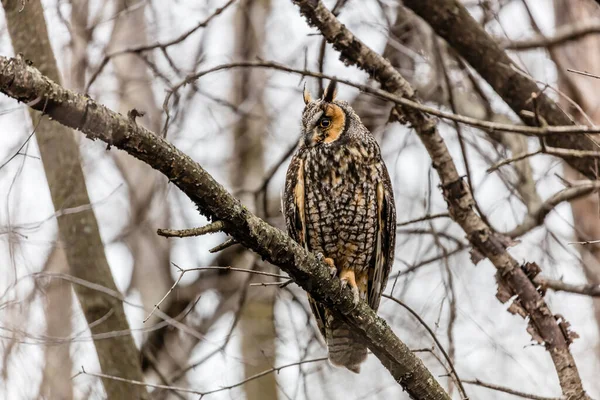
(328, 261)
(348, 278)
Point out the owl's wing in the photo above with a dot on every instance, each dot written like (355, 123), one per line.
(294, 203)
(383, 259)
(295, 220)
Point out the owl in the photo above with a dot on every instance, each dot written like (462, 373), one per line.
(339, 203)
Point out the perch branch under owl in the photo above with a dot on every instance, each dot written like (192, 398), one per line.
(25, 83)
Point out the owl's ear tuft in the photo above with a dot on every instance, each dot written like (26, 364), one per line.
(307, 96)
(331, 92)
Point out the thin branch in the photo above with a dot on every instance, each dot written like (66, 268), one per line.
(537, 215)
(477, 382)
(399, 100)
(586, 242)
(562, 35)
(427, 217)
(201, 394)
(182, 272)
(228, 243)
(163, 46)
(136, 383)
(513, 159)
(437, 342)
(263, 373)
(560, 286)
(214, 227)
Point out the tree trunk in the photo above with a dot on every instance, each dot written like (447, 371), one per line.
(149, 209)
(78, 231)
(257, 321)
(58, 365)
(583, 55)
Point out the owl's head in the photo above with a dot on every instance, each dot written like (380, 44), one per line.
(325, 121)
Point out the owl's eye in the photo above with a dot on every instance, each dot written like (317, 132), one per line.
(325, 122)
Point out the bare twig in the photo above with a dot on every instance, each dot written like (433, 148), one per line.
(197, 392)
(182, 272)
(560, 286)
(437, 342)
(214, 227)
(228, 243)
(263, 373)
(562, 35)
(478, 123)
(513, 159)
(163, 46)
(136, 383)
(584, 73)
(586, 242)
(424, 218)
(510, 391)
(537, 215)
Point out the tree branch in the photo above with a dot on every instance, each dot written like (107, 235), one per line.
(563, 34)
(512, 277)
(451, 21)
(536, 216)
(28, 85)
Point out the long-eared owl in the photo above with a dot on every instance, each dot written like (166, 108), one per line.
(339, 203)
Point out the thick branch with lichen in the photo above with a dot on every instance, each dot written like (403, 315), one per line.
(512, 277)
(28, 85)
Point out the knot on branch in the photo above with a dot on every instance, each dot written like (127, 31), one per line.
(531, 269)
(458, 197)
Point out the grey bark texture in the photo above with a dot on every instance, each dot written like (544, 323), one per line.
(582, 55)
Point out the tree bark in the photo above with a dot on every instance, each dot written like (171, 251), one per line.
(27, 84)
(148, 206)
(257, 319)
(78, 231)
(582, 55)
(58, 366)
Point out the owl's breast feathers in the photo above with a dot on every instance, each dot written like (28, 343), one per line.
(339, 202)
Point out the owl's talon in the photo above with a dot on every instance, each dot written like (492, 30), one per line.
(348, 278)
(328, 261)
(332, 268)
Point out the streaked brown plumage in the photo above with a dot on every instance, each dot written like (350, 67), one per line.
(339, 202)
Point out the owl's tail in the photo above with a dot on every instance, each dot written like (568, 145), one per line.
(345, 350)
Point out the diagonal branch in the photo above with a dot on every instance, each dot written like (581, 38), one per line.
(512, 277)
(26, 84)
(451, 21)
(536, 216)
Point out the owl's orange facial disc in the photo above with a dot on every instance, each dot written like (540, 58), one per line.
(337, 123)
